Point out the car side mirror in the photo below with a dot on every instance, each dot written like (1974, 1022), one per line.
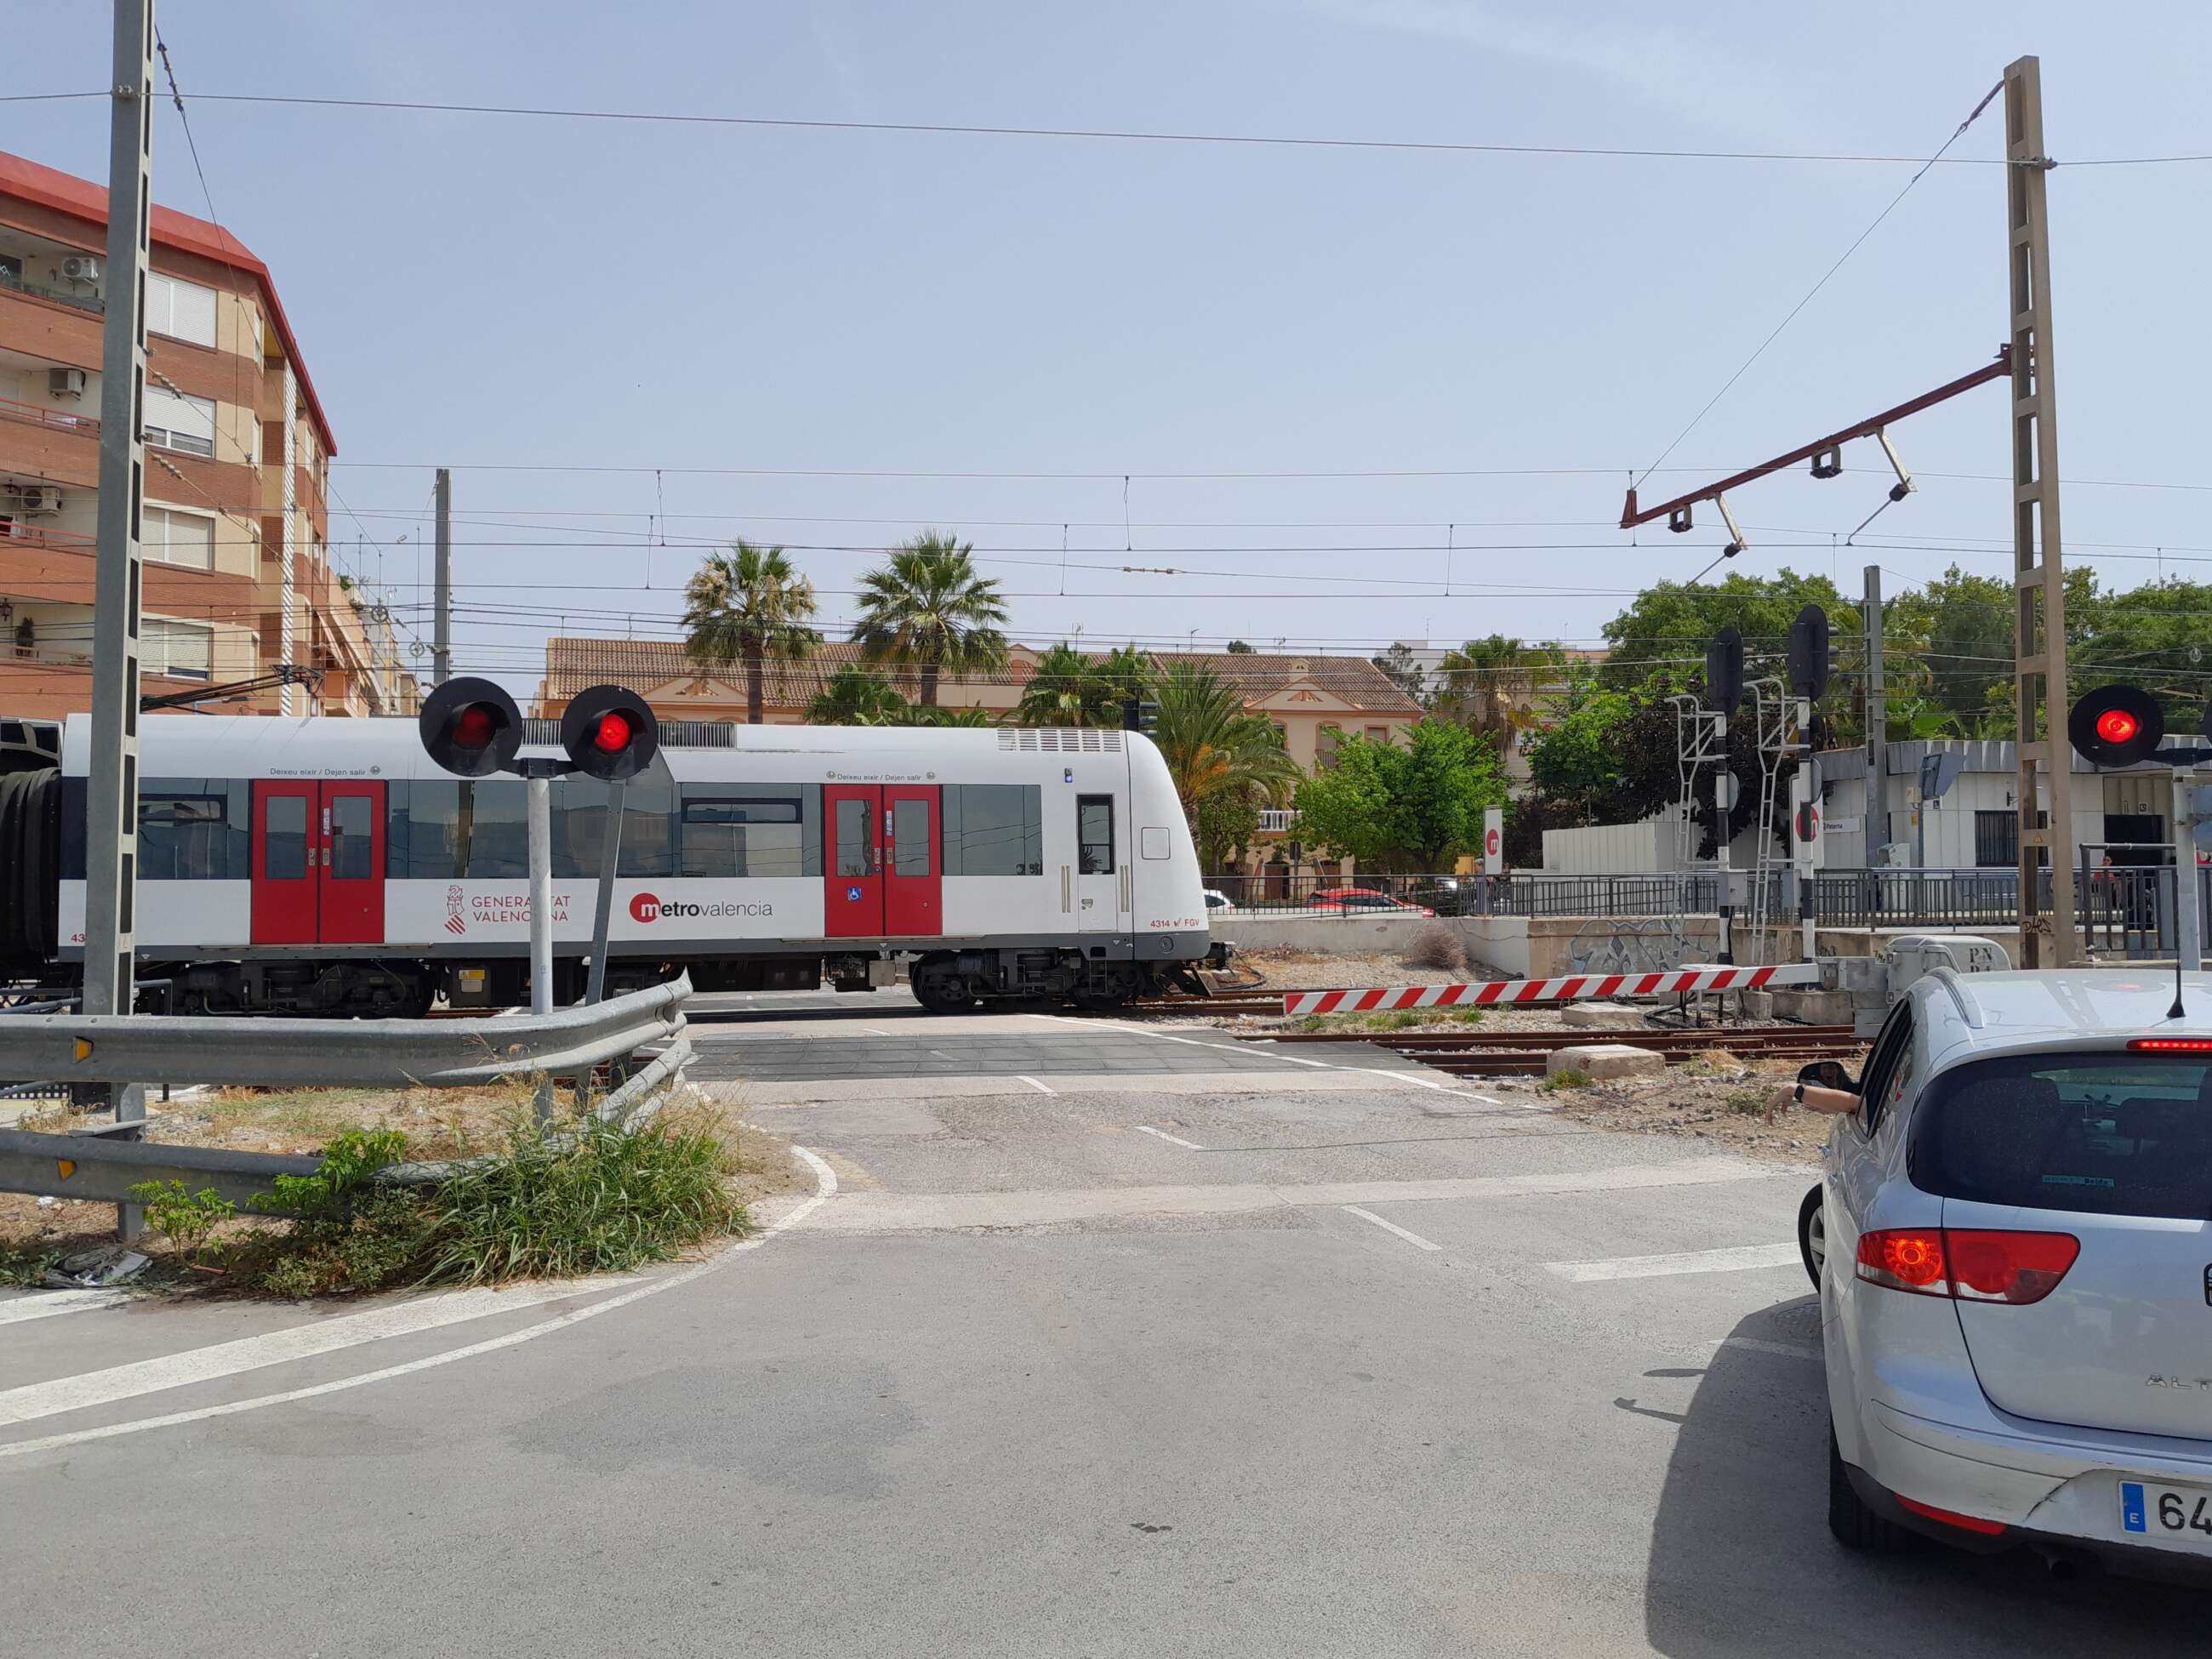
(1828, 1074)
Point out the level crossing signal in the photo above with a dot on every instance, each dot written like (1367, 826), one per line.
(2116, 726)
(610, 733)
(1807, 660)
(472, 727)
(1724, 670)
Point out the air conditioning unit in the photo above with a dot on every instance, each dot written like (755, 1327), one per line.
(35, 498)
(81, 268)
(65, 383)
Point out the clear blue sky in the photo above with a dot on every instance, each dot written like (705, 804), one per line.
(479, 290)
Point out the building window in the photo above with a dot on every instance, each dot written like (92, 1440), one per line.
(183, 311)
(172, 536)
(181, 650)
(176, 422)
(1378, 734)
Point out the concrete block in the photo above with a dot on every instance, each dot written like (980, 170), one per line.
(1813, 1007)
(1600, 1061)
(1757, 1005)
(1601, 1015)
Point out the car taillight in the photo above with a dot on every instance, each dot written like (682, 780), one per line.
(1969, 1264)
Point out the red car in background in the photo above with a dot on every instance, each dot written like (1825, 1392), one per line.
(1363, 898)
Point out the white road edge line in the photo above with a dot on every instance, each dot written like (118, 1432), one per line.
(1172, 1140)
(825, 1188)
(1034, 1085)
(44, 1304)
(1741, 1259)
(1393, 1227)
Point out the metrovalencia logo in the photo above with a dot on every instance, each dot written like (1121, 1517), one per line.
(647, 908)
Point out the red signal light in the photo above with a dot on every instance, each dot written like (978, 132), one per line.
(474, 728)
(611, 736)
(2117, 726)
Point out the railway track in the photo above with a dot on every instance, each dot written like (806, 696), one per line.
(1524, 1054)
(1228, 1002)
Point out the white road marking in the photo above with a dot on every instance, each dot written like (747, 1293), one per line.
(1393, 1227)
(1034, 1085)
(825, 1188)
(44, 1304)
(1741, 1259)
(888, 1212)
(1174, 1140)
(1393, 1074)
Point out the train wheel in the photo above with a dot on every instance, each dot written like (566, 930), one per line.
(939, 987)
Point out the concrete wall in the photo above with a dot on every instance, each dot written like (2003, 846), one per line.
(1325, 935)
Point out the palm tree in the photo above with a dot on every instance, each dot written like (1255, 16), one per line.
(1063, 690)
(746, 605)
(1215, 751)
(1489, 685)
(928, 610)
(858, 697)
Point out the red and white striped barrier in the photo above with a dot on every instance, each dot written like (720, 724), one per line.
(1568, 988)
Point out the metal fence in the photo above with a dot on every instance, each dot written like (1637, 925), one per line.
(2126, 911)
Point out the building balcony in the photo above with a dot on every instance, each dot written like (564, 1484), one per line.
(1278, 821)
(82, 299)
(49, 419)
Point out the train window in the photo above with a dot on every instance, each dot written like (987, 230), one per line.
(649, 835)
(353, 841)
(194, 830)
(285, 821)
(1094, 834)
(732, 831)
(855, 854)
(910, 836)
(993, 829)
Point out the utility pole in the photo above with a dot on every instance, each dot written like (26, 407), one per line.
(112, 789)
(2189, 921)
(1877, 722)
(1722, 805)
(441, 646)
(2040, 642)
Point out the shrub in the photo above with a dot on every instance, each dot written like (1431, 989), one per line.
(1437, 946)
(27, 1263)
(187, 1219)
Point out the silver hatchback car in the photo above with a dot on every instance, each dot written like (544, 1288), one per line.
(2012, 1239)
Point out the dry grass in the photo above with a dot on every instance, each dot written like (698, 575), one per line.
(1436, 947)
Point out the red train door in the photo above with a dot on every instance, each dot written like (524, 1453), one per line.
(914, 877)
(286, 828)
(351, 885)
(853, 862)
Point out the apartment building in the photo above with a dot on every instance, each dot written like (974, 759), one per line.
(239, 584)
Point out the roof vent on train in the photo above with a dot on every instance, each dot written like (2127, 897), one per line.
(1067, 739)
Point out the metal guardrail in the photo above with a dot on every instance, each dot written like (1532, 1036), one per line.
(394, 1052)
(100, 1166)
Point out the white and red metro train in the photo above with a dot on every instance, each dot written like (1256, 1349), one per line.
(328, 866)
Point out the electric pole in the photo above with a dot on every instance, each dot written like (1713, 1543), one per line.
(441, 647)
(2040, 642)
(112, 787)
(1876, 835)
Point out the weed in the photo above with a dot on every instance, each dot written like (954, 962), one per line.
(1396, 1020)
(1437, 946)
(348, 1163)
(25, 1264)
(1558, 1080)
(1464, 1016)
(604, 1198)
(375, 1241)
(187, 1219)
(1747, 1102)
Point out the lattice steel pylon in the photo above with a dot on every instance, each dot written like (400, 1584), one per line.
(2038, 576)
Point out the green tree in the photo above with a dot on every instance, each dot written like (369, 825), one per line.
(928, 610)
(1405, 672)
(1238, 648)
(858, 697)
(1417, 807)
(746, 605)
(1222, 760)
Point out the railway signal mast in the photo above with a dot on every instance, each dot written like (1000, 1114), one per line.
(472, 727)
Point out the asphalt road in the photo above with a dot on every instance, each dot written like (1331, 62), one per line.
(1257, 1359)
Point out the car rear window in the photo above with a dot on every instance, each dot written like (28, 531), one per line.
(2103, 1134)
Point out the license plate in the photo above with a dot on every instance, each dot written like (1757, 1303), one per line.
(2181, 1514)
